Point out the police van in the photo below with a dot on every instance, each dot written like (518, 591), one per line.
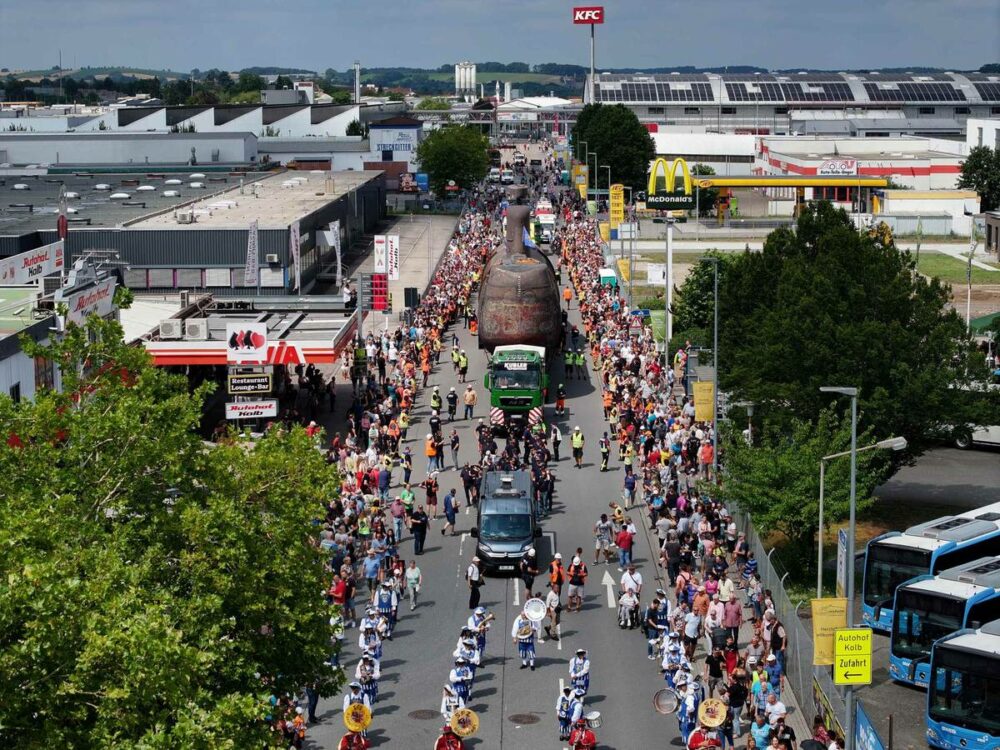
(505, 524)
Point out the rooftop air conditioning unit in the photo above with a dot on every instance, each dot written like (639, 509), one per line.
(171, 329)
(271, 258)
(185, 217)
(196, 329)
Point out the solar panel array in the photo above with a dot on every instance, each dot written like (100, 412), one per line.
(790, 92)
(655, 92)
(915, 92)
(990, 92)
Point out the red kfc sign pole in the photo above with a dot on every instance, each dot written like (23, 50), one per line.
(590, 15)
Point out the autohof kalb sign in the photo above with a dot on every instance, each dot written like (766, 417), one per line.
(32, 265)
(99, 299)
(590, 14)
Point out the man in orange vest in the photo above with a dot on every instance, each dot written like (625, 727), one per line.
(567, 296)
(557, 574)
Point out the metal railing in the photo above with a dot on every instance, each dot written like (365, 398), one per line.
(800, 674)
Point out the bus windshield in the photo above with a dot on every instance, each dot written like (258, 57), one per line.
(516, 379)
(965, 690)
(920, 619)
(505, 527)
(887, 566)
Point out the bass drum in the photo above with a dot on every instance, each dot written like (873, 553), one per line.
(666, 701)
(535, 609)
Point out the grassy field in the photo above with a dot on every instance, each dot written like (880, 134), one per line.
(512, 77)
(953, 270)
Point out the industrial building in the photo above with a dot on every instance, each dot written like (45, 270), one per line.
(197, 238)
(124, 148)
(869, 104)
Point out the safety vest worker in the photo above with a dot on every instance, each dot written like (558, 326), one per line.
(436, 399)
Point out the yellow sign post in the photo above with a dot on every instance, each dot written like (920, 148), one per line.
(829, 615)
(853, 656)
(617, 205)
(704, 401)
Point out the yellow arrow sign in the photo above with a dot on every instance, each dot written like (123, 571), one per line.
(852, 664)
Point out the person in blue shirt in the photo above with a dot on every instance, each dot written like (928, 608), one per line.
(450, 512)
(370, 568)
(773, 675)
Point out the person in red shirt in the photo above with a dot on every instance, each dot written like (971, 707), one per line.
(582, 737)
(624, 542)
(338, 591)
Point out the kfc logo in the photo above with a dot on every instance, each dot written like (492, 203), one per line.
(589, 15)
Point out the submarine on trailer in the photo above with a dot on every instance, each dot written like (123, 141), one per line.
(519, 294)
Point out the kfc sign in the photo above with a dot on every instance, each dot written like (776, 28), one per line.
(588, 15)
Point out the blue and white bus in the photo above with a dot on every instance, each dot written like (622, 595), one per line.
(965, 715)
(930, 607)
(930, 547)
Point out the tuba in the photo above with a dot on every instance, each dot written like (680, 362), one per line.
(357, 717)
(464, 722)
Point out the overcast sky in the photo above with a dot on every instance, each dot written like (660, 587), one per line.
(320, 34)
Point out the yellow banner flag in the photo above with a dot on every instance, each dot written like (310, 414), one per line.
(827, 616)
(617, 206)
(704, 400)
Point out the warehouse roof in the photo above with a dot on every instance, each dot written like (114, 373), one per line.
(277, 201)
(36, 206)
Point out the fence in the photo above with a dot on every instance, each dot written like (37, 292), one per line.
(800, 673)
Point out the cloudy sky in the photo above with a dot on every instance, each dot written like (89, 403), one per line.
(320, 34)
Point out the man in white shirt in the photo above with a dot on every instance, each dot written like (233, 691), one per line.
(774, 710)
(631, 581)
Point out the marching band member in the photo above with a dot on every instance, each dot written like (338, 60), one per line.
(369, 640)
(582, 737)
(563, 708)
(450, 701)
(687, 714)
(459, 678)
(356, 696)
(579, 671)
(387, 602)
(523, 633)
(448, 740)
(673, 664)
(479, 624)
(354, 741)
(367, 673)
(369, 620)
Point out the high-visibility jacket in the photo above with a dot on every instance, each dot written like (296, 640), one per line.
(429, 449)
(578, 359)
(463, 361)
(436, 400)
(568, 359)
(577, 439)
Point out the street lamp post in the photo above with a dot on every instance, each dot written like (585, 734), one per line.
(715, 368)
(584, 144)
(894, 444)
(605, 166)
(853, 393)
(594, 154)
(669, 291)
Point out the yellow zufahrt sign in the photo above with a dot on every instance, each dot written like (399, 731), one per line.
(828, 615)
(852, 663)
(668, 198)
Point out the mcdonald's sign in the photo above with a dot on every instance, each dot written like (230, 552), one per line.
(668, 198)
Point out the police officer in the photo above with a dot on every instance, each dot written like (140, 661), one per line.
(452, 399)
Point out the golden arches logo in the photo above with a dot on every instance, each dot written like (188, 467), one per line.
(669, 176)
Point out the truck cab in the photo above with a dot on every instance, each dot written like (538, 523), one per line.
(505, 521)
(517, 378)
(494, 175)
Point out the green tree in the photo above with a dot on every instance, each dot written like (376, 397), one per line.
(456, 153)
(777, 478)
(433, 103)
(354, 127)
(694, 300)
(249, 82)
(981, 172)
(283, 82)
(706, 196)
(619, 139)
(341, 96)
(154, 590)
(826, 305)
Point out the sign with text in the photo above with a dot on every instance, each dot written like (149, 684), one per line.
(852, 663)
(252, 409)
(246, 342)
(829, 615)
(380, 253)
(656, 273)
(865, 736)
(249, 384)
(667, 197)
(590, 14)
(838, 168)
(704, 401)
(392, 256)
(32, 265)
(841, 562)
(617, 205)
(98, 299)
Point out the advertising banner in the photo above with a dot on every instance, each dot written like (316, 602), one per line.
(865, 736)
(667, 197)
(252, 409)
(838, 168)
(295, 240)
(99, 299)
(617, 205)
(335, 227)
(251, 271)
(704, 401)
(589, 14)
(656, 273)
(247, 384)
(392, 256)
(246, 342)
(380, 253)
(32, 265)
(841, 562)
(828, 616)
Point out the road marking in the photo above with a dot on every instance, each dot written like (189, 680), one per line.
(461, 544)
(551, 535)
(517, 593)
(559, 639)
(467, 506)
(609, 582)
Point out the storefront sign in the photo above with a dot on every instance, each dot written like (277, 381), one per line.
(246, 342)
(98, 299)
(667, 197)
(252, 409)
(392, 256)
(249, 384)
(380, 253)
(32, 265)
(395, 140)
(589, 15)
(838, 168)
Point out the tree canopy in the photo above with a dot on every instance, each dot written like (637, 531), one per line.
(156, 590)
(826, 305)
(458, 153)
(981, 172)
(620, 141)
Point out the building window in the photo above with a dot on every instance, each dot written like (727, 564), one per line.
(926, 110)
(995, 110)
(962, 110)
(387, 156)
(729, 110)
(692, 110)
(45, 374)
(655, 110)
(781, 110)
(15, 393)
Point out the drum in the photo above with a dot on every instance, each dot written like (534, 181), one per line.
(593, 719)
(535, 609)
(357, 717)
(712, 713)
(666, 701)
(464, 722)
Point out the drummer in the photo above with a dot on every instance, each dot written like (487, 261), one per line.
(523, 633)
(579, 671)
(582, 737)
(354, 695)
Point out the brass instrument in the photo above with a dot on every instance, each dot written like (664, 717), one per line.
(357, 717)
(464, 722)
(535, 609)
(712, 713)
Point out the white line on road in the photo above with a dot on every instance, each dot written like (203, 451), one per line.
(609, 582)
(461, 544)
(517, 593)
(559, 639)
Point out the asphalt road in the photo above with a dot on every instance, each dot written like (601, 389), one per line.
(516, 707)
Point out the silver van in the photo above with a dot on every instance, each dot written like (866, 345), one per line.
(505, 525)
